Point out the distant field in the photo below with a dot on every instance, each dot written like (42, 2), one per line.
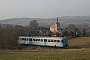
(81, 42)
(77, 50)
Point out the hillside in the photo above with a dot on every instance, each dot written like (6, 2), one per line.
(64, 20)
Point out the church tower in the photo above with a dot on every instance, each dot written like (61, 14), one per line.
(57, 24)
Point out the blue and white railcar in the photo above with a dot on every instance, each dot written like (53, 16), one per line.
(44, 41)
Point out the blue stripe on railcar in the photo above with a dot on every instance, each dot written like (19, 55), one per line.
(38, 43)
(56, 45)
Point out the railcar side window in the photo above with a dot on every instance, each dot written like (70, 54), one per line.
(38, 40)
(45, 40)
(48, 40)
(27, 39)
(33, 39)
(58, 40)
(51, 40)
(54, 40)
(41, 39)
(23, 39)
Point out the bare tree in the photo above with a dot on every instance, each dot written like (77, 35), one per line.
(33, 25)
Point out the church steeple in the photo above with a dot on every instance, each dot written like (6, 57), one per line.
(58, 25)
(57, 19)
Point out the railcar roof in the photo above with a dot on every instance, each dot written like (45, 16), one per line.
(41, 37)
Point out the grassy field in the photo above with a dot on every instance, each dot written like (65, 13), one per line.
(81, 42)
(77, 50)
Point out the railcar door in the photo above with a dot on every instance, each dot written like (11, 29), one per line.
(45, 41)
(30, 41)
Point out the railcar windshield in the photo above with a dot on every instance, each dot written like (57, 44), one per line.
(64, 41)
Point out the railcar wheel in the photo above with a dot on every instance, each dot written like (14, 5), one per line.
(55, 46)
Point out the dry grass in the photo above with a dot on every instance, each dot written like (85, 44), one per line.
(58, 54)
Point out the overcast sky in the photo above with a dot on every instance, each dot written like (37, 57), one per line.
(43, 8)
